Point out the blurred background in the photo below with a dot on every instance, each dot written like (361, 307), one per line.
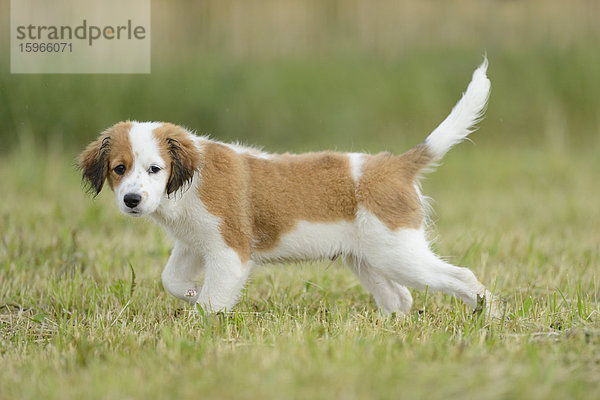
(349, 75)
(519, 206)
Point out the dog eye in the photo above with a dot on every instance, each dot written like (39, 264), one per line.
(154, 169)
(119, 169)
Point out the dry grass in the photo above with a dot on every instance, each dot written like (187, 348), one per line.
(72, 324)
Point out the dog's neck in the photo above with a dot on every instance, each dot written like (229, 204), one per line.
(183, 216)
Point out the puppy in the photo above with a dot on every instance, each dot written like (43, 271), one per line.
(230, 207)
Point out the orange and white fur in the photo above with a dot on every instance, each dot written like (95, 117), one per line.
(230, 207)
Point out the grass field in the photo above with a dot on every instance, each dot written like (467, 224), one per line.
(83, 313)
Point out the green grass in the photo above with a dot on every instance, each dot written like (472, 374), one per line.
(349, 101)
(75, 323)
(82, 310)
(304, 75)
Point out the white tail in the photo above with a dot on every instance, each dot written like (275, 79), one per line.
(464, 116)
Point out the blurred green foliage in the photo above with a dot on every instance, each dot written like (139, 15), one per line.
(310, 75)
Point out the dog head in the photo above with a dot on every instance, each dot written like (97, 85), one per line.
(143, 163)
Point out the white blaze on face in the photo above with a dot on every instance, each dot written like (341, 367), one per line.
(141, 180)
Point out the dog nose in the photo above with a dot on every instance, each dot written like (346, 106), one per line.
(132, 199)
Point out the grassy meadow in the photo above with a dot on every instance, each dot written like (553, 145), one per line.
(83, 313)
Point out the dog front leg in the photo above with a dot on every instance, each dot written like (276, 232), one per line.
(181, 273)
(224, 280)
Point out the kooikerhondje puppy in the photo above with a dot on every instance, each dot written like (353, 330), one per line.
(229, 207)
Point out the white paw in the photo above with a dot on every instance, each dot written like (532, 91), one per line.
(191, 293)
(492, 306)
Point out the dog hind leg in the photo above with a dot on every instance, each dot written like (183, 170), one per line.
(389, 296)
(404, 257)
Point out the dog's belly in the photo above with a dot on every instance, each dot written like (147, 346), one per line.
(310, 241)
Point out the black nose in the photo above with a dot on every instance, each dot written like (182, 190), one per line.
(132, 199)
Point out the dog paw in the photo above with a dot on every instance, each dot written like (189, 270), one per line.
(191, 293)
(490, 305)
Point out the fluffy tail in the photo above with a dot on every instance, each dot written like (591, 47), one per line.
(462, 119)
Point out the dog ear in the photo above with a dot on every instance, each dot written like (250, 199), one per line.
(185, 159)
(93, 163)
